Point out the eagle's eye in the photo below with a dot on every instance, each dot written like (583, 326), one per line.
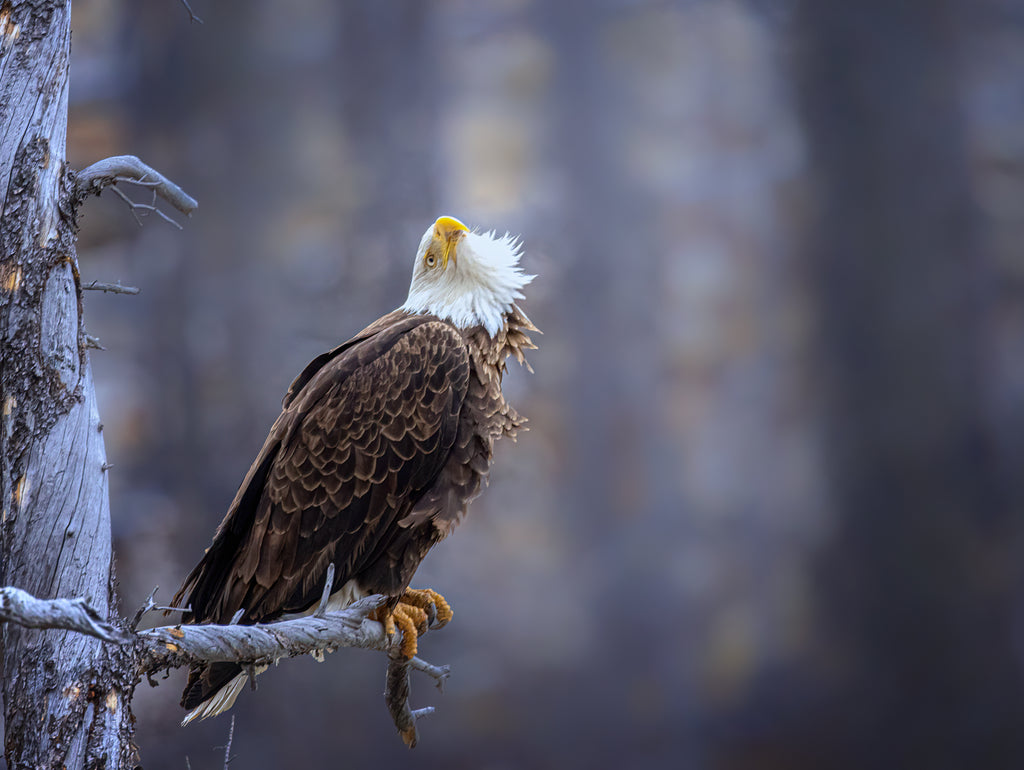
(431, 260)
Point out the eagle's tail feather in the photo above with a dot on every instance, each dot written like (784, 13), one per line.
(219, 702)
(212, 689)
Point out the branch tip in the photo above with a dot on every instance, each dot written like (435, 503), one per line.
(196, 20)
(113, 288)
(328, 586)
(146, 607)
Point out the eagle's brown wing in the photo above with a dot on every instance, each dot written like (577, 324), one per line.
(359, 442)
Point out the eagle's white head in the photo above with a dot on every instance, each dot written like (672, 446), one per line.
(465, 277)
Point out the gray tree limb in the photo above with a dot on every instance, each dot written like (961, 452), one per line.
(180, 645)
(115, 288)
(252, 645)
(128, 168)
(396, 697)
(70, 614)
(165, 647)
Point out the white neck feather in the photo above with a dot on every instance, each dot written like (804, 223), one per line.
(477, 288)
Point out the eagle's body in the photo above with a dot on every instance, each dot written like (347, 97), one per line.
(380, 446)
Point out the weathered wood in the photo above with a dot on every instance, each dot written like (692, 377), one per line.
(127, 168)
(173, 646)
(65, 694)
(166, 647)
(69, 614)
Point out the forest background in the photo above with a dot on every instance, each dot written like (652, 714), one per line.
(770, 510)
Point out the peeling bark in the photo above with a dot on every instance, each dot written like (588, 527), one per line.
(65, 695)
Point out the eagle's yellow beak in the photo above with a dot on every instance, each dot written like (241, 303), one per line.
(447, 231)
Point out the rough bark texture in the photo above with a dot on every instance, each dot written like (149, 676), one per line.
(65, 694)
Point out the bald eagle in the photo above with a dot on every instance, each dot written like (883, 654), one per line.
(381, 444)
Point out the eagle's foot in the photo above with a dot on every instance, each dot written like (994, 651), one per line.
(416, 611)
(411, 621)
(437, 607)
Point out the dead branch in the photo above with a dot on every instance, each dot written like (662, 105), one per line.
(227, 748)
(127, 168)
(146, 208)
(396, 697)
(261, 643)
(439, 674)
(328, 587)
(113, 288)
(195, 20)
(166, 647)
(17, 606)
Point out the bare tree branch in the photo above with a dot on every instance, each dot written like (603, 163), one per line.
(328, 587)
(195, 20)
(440, 674)
(261, 644)
(396, 697)
(113, 288)
(127, 168)
(185, 644)
(146, 208)
(168, 647)
(21, 607)
(148, 605)
(227, 748)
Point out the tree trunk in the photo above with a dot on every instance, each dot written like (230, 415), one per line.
(919, 588)
(65, 694)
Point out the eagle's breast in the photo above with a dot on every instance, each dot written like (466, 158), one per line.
(485, 417)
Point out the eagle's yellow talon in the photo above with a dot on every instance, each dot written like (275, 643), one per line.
(416, 611)
(409, 636)
(417, 615)
(425, 598)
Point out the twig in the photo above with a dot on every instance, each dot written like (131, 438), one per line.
(114, 288)
(17, 606)
(165, 609)
(93, 343)
(146, 607)
(328, 585)
(439, 674)
(231, 737)
(250, 672)
(195, 20)
(146, 208)
(127, 168)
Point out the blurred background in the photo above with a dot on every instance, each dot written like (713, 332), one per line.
(770, 510)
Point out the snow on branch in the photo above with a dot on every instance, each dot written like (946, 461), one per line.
(168, 647)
